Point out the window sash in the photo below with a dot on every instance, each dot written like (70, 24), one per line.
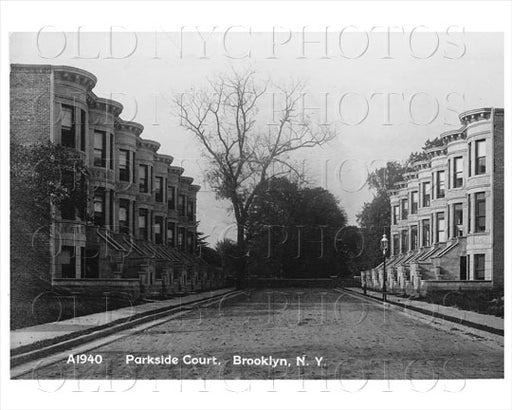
(124, 210)
(480, 212)
(143, 223)
(405, 241)
(159, 189)
(159, 225)
(396, 244)
(440, 227)
(426, 232)
(414, 237)
(414, 202)
(480, 155)
(458, 172)
(100, 141)
(458, 220)
(143, 178)
(99, 207)
(426, 194)
(440, 184)
(68, 117)
(68, 126)
(405, 210)
(396, 214)
(171, 226)
(124, 165)
(171, 201)
(479, 267)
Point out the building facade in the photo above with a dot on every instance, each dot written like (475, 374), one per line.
(139, 235)
(447, 215)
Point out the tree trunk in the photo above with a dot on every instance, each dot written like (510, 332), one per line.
(242, 251)
(240, 236)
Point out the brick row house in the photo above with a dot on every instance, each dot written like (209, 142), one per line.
(447, 214)
(140, 236)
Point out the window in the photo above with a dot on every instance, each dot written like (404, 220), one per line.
(159, 190)
(480, 212)
(414, 237)
(124, 219)
(480, 157)
(159, 229)
(396, 214)
(143, 179)
(405, 208)
(440, 184)
(405, 241)
(171, 228)
(190, 210)
(458, 178)
(67, 258)
(100, 148)
(83, 127)
(134, 177)
(190, 241)
(479, 267)
(458, 220)
(143, 223)
(99, 207)
(425, 232)
(396, 244)
(171, 201)
(181, 205)
(124, 165)
(469, 213)
(181, 238)
(469, 159)
(440, 227)
(151, 178)
(68, 126)
(414, 202)
(111, 157)
(426, 194)
(111, 212)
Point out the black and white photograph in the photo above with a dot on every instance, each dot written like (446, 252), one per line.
(247, 208)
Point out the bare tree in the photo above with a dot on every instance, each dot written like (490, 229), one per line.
(244, 156)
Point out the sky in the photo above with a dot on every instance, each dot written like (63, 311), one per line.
(383, 94)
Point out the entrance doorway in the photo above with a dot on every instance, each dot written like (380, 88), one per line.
(91, 263)
(463, 268)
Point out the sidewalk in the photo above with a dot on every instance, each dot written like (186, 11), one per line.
(46, 334)
(488, 323)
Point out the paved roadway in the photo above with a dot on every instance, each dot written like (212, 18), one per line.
(356, 339)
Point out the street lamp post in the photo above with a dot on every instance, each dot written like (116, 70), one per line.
(384, 247)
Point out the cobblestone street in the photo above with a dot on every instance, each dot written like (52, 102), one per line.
(351, 338)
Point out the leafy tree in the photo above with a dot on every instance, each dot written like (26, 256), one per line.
(383, 179)
(375, 217)
(292, 231)
(231, 258)
(242, 155)
(44, 178)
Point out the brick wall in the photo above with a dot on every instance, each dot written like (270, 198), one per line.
(30, 104)
(499, 200)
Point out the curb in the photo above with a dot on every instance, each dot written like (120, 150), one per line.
(438, 315)
(44, 348)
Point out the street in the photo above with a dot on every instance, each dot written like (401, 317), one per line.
(287, 334)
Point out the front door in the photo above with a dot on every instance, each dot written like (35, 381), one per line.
(91, 263)
(463, 268)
